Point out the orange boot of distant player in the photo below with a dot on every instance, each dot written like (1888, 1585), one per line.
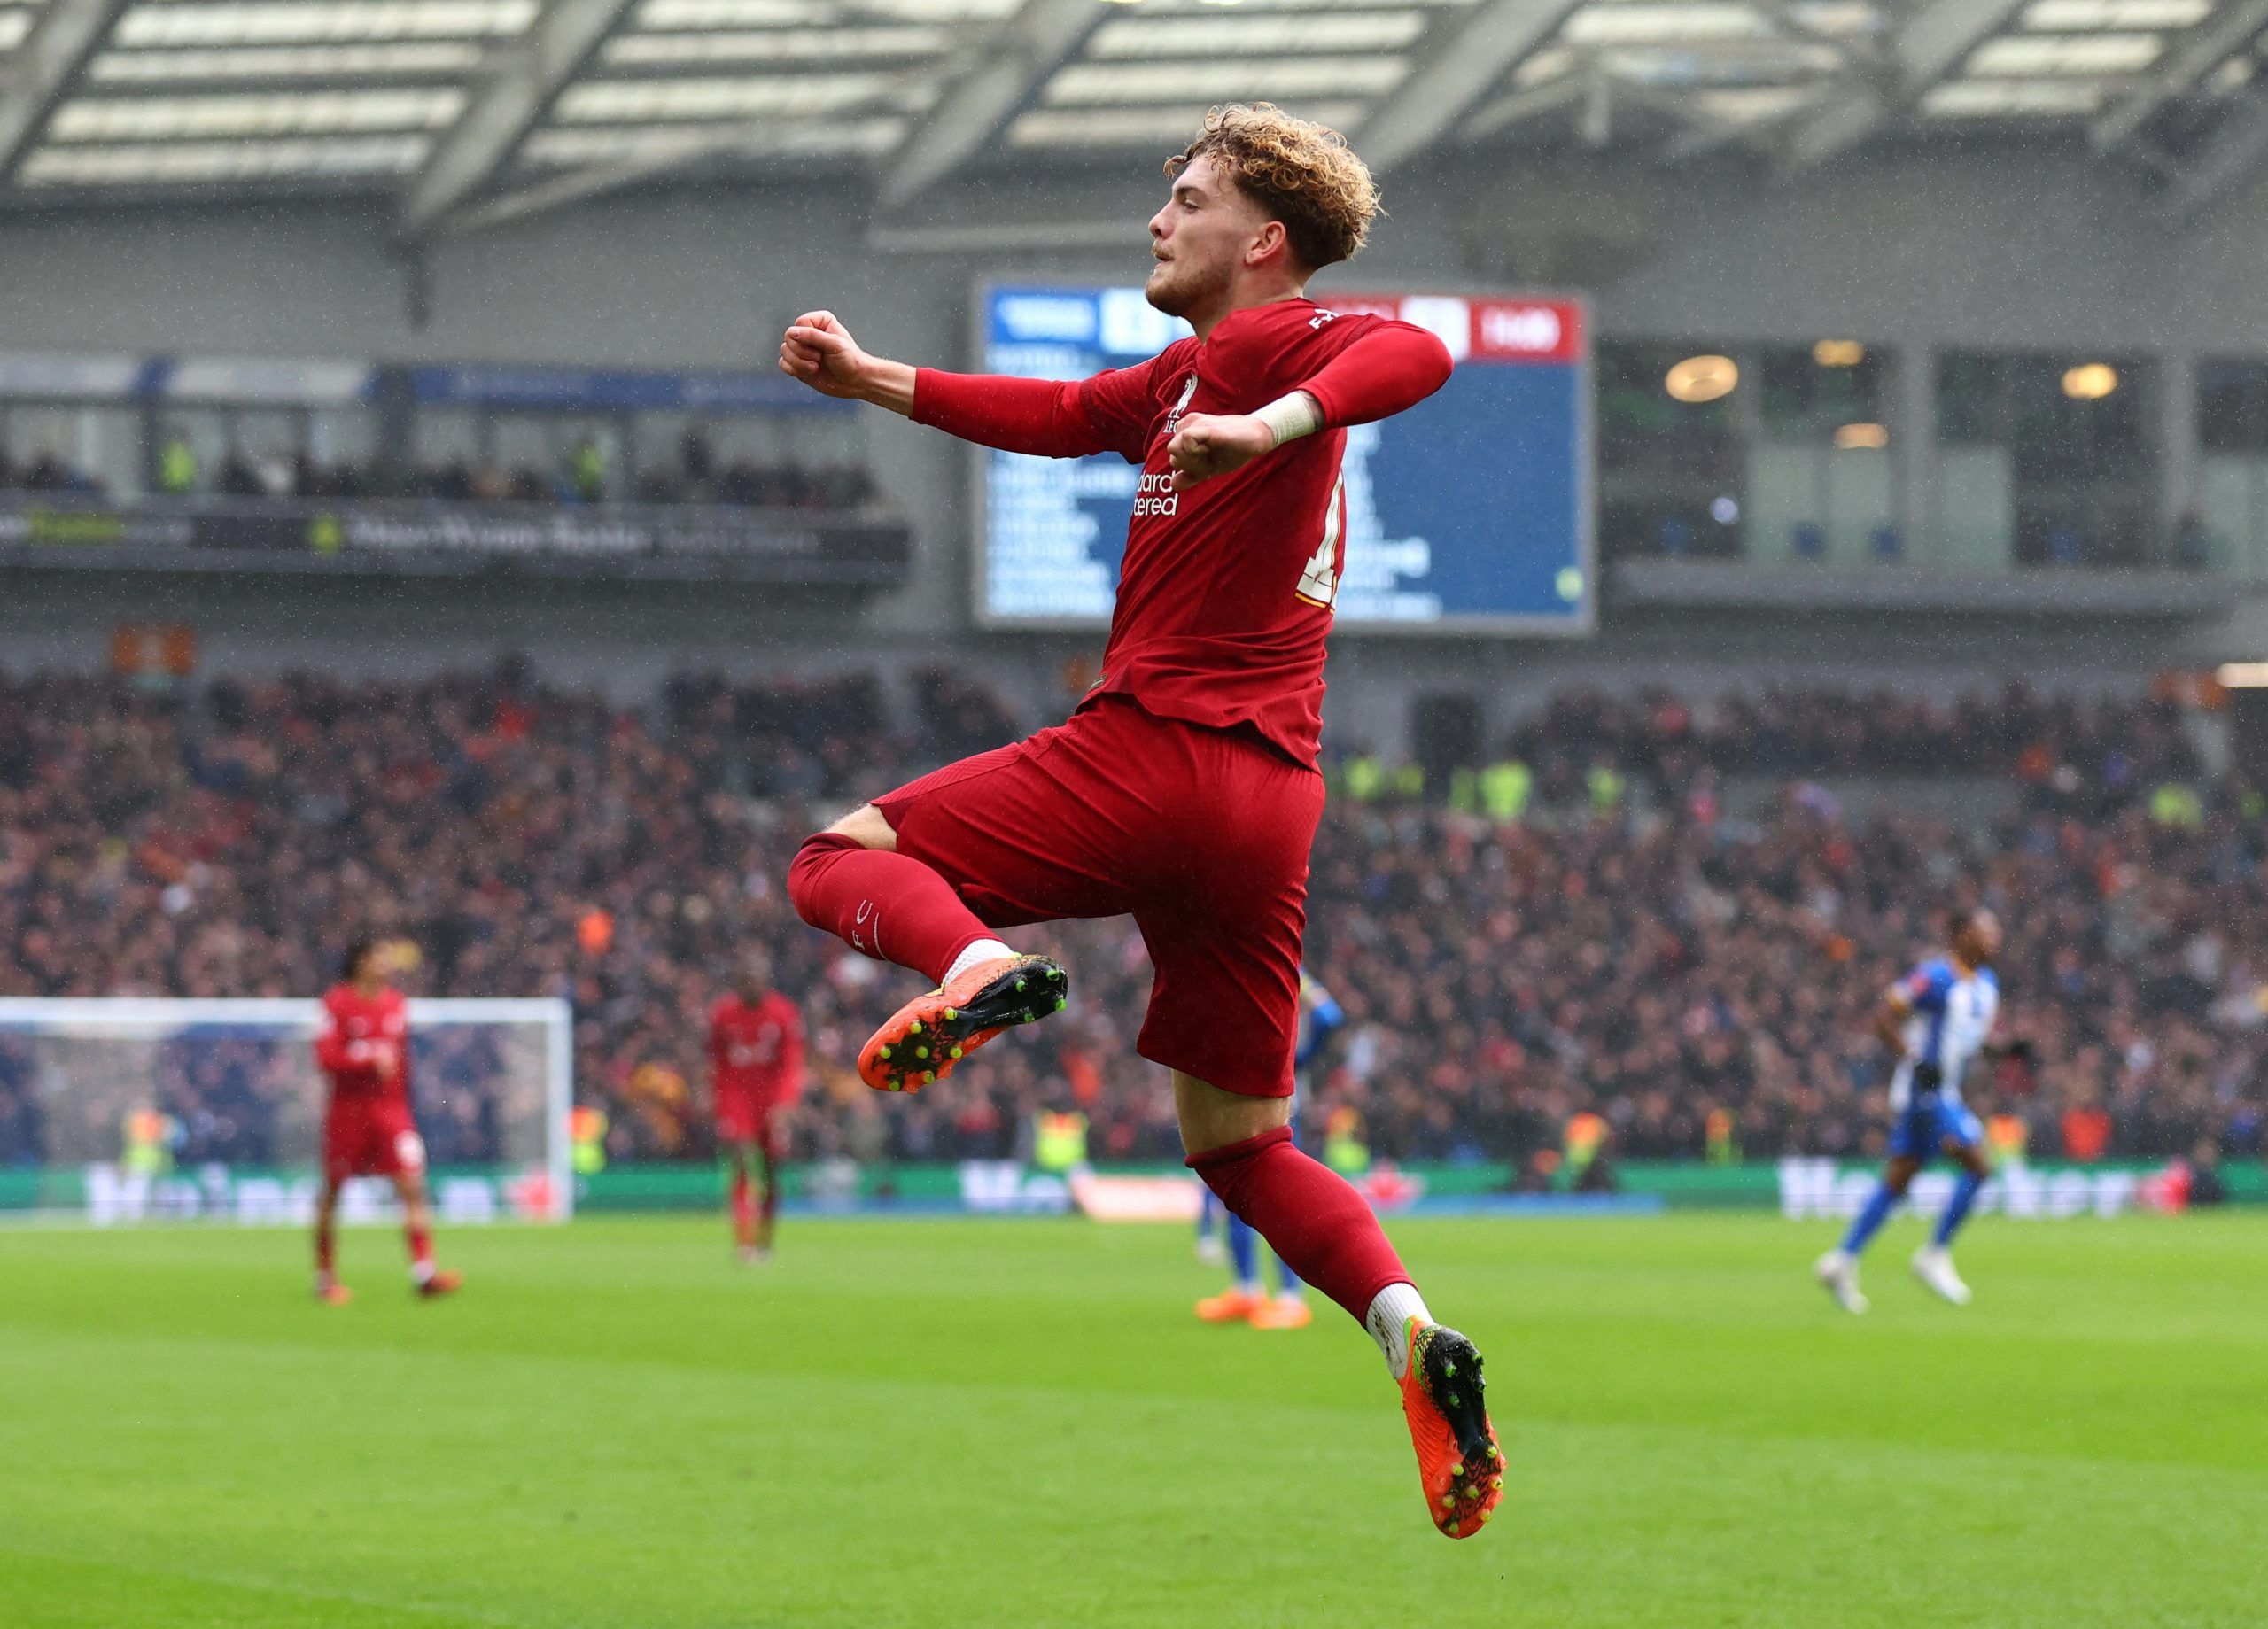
(328, 1289)
(1233, 1304)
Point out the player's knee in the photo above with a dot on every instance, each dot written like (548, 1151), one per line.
(1212, 1118)
(810, 864)
(865, 827)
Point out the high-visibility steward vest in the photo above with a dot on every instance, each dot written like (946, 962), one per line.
(1505, 790)
(1059, 1142)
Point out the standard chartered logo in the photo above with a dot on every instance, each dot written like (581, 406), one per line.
(1156, 495)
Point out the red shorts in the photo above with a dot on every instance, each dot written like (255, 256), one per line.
(1201, 836)
(370, 1136)
(741, 1119)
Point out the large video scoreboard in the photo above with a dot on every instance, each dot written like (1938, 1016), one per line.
(1469, 514)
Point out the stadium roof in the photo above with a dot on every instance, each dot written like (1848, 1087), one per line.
(467, 108)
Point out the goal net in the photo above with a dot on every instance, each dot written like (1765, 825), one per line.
(130, 1109)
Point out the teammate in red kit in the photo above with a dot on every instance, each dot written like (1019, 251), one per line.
(363, 1047)
(1184, 789)
(756, 1074)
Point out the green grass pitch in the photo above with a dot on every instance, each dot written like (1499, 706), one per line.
(1019, 1423)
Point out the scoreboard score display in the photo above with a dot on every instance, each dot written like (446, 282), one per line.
(1469, 514)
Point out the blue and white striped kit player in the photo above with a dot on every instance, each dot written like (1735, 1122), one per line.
(1939, 1018)
(1953, 1011)
(1319, 1018)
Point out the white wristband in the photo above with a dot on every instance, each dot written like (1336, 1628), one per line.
(1290, 417)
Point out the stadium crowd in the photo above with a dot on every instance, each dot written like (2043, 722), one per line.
(1699, 981)
(585, 475)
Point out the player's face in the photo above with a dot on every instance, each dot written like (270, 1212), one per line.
(1980, 940)
(756, 978)
(1200, 238)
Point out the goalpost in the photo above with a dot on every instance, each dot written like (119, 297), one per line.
(131, 1109)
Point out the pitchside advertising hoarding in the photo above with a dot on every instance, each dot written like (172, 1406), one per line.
(1824, 1191)
(1472, 513)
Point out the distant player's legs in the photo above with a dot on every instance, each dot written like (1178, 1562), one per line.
(1242, 1298)
(768, 1212)
(417, 1232)
(327, 1285)
(740, 1154)
(1933, 1263)
(1896, 1177)
(771, 1154)
(1210, 1249)
(1839, 1269)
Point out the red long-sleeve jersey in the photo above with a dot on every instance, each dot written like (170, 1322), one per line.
(755, 1053)
(356, 1032)
(1226, 590)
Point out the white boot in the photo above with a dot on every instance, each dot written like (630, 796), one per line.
(1933, 1266)
(1838, 1271)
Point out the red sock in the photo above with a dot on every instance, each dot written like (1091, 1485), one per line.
(1310, 1215)
(885, 905)
(421, 1250)
(743, 1213)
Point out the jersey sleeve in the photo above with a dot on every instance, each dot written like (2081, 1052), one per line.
(333, 1051)
(1121, 403)
(1384, 367)
(1051, 418)
(329, 1044)
(1924, 989)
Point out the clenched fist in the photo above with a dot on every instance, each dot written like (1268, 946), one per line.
(820, 351)
(1207, 444)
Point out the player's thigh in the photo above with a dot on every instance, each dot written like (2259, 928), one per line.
(1961, 1136)
(1016, 832)
(1223, 913)
(1913, 1134)
(1224, 1001)
(394, 1148)
(735, 1125)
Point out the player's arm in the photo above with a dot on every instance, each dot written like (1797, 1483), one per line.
(335, 1054)
(1889, 1015)
(1385, 368)
(792, 1057)
(1921, 991)
(1042, 417)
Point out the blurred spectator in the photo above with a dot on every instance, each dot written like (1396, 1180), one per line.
(585, 477)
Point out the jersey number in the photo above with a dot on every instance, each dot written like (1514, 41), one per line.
(1319, 580)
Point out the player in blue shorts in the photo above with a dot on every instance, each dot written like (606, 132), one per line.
(1245, 1301)
(1935, 1019)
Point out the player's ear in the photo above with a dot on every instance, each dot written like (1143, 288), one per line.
(1272, 239)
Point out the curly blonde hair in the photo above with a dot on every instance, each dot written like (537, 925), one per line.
(1302, 173)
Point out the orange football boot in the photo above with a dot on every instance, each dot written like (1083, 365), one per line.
(1459, 1462)
(926, 1036)
(1230, 1306)
(442, 1282)
(333, 1294)
(1285, 1311)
